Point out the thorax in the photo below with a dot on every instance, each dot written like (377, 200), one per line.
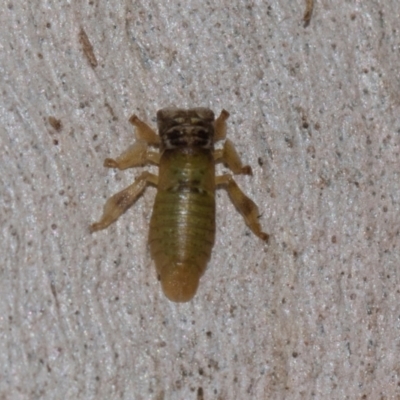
(185, 168)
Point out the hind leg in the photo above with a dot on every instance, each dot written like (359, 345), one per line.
(120, 202)
(243, 204)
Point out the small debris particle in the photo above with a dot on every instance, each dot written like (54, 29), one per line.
(87, 48)
(308, 12)
(55, 123)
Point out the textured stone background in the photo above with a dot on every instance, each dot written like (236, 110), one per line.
(315, 111)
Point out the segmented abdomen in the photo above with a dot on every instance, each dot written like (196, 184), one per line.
(182, 226)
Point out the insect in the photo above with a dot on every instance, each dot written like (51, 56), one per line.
(182, 226)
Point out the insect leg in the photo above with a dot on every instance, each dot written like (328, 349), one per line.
(244, 205)
(144, 132)
(138, 154)
(231, 158)
(220, 126)
(116, 205)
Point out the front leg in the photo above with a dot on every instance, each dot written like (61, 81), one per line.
(144, 132)
(138, 154)
(220, 126)
(244, 205)
(120, 202)
(230, 157)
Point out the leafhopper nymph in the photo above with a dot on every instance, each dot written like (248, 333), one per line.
(182, 226)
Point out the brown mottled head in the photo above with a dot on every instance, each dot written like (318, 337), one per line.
(191, 128)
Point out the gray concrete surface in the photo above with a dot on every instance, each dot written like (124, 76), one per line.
(315, 111)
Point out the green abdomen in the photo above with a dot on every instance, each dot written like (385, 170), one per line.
(182, 227)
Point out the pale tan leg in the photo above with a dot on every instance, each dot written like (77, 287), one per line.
(116, 205)
(244, 205)
(230, 157)
(138, 154)
(220, 126)
(144, 132)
